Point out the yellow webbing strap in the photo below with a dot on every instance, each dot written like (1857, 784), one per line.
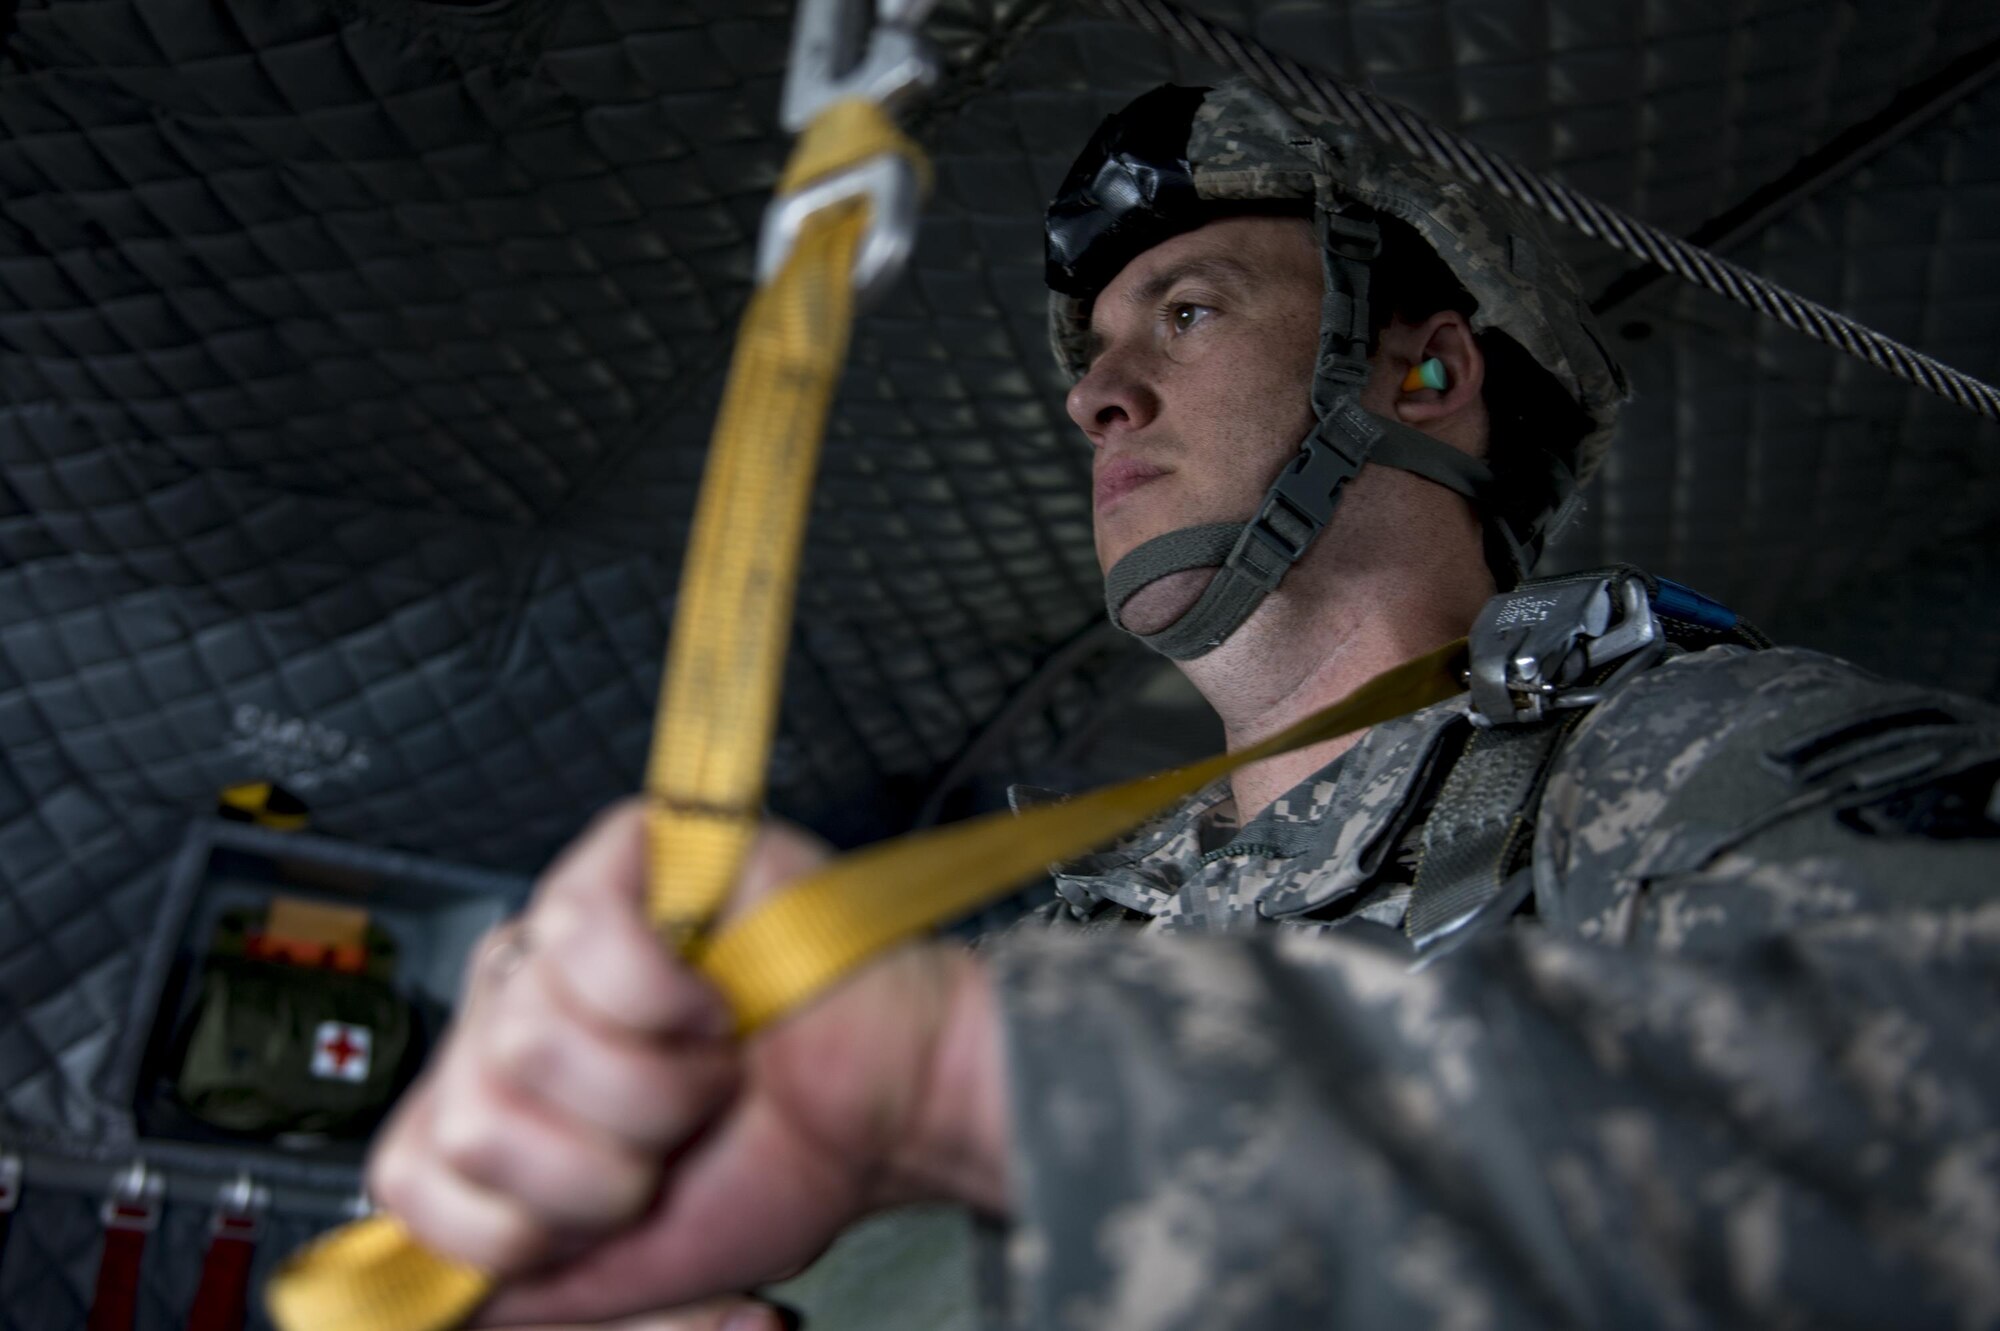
(789, 948)
(264, 804)
(719, 696)
(372, 1276)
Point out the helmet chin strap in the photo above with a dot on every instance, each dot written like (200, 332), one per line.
(1251, 558)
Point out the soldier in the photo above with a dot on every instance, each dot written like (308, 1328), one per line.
(1652, 983)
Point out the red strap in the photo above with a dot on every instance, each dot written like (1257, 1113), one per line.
(116, 1301)
(224, 1293)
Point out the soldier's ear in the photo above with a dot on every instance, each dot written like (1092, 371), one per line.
(1447, 338)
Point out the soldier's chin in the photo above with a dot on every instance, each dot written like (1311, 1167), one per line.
(1160, 602)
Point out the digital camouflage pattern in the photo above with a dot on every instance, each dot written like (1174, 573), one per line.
(1740, 1065)
(1245, 146)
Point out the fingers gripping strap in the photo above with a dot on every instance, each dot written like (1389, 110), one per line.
(373, 1276)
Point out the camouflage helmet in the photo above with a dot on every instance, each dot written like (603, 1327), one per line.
(1179, 157)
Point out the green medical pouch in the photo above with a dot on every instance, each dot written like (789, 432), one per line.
(287, 1040)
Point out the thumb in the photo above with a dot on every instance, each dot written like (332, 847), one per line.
(782, 853)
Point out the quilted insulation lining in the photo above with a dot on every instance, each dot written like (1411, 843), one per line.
(357, 359)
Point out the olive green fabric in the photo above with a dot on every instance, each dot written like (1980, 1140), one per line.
(248, 1064)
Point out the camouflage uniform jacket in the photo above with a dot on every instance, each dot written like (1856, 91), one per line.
(1738, 1065)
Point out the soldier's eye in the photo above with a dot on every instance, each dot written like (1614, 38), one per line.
(1185, 317)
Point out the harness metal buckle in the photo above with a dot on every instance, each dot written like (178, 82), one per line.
(838, 53)
(890, 185)
(1531, 648)
(10, 1182)
(239, 1209)
(135, 1199)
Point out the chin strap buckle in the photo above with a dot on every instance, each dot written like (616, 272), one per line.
(1298, 505)
(1543, 647)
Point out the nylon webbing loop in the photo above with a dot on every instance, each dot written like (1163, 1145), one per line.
(1436, 461)
(130, 1213)
(1480, 825)
(1168, 553)
(719, 698)
(223, 1296)
(114, 1300)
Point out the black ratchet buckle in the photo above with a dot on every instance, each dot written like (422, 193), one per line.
(1306, 490)
(1543, 648)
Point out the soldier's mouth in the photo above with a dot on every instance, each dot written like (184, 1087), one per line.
(1118, 477)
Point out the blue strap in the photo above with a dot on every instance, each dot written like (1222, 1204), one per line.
(1671, 598)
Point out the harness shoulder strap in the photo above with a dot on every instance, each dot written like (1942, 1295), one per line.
(1540, 657)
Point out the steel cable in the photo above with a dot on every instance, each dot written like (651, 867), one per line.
(1287, 79)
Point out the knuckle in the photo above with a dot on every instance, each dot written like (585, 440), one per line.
(522, 1055)
(390, 1175)
(514, 1241)
(622, 813)
(624, 1189)
(500, 944)
(466, 1139)
(493, 953)
(488, 1233)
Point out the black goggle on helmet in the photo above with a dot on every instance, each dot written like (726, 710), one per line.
(1178, 158)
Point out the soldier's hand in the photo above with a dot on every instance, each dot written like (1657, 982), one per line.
(589, 1133)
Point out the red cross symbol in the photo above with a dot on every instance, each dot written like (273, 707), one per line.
(340, 1051)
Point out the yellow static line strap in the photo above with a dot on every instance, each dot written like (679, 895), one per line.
(789, 948)
(719, 696)
(264, 804)
(372, 1276)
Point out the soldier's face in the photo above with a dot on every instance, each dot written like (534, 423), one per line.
(1200, 381)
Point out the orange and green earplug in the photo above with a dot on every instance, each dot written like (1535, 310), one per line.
(1429, 374)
